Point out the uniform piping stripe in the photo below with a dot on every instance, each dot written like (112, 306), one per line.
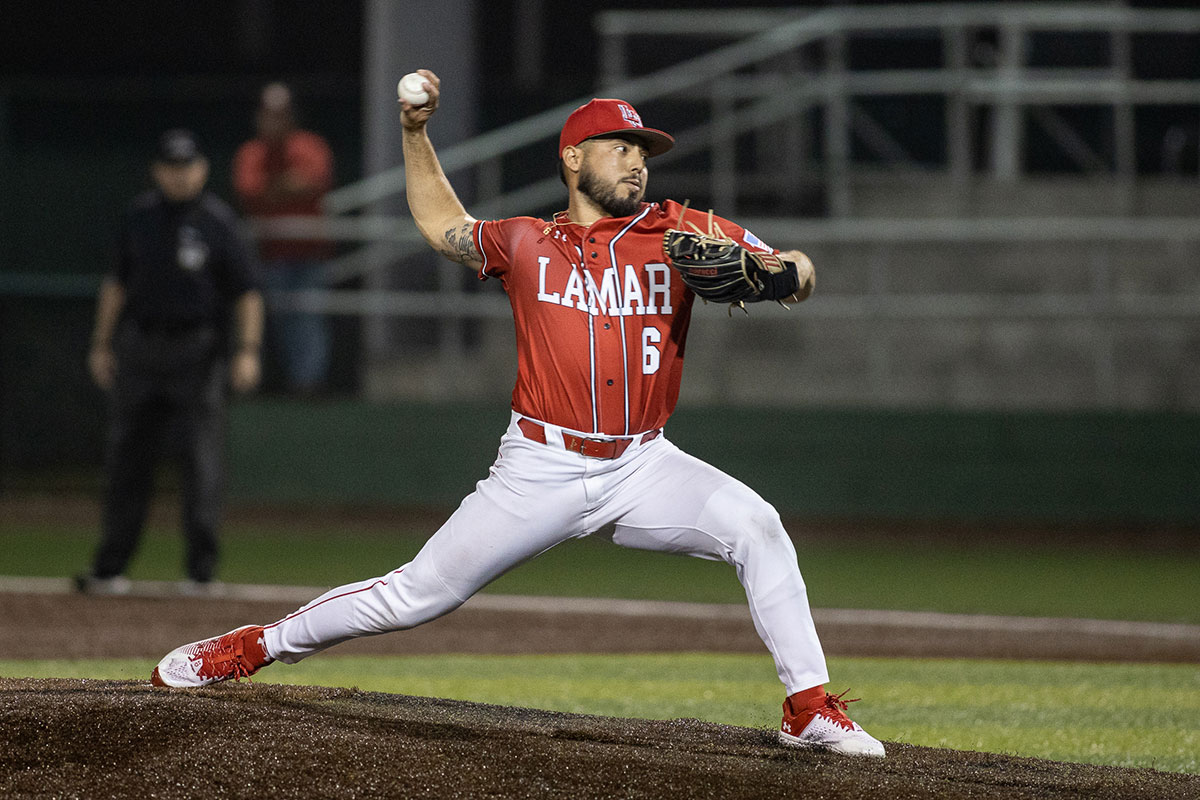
(625, 366)
(612, 259)
(294, 614)
(479, 247)
(592, 357)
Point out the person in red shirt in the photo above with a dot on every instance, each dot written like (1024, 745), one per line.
(601, 321)
(285, 172)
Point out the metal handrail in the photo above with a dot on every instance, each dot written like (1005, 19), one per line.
(1040, 16)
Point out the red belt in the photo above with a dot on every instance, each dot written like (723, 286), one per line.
(592, 448)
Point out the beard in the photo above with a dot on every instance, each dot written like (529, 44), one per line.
(606, 196)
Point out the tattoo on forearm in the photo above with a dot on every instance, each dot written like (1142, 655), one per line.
(460, 245)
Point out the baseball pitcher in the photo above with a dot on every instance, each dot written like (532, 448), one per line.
(601, 295)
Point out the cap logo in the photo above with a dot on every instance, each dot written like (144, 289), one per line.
(629, 115)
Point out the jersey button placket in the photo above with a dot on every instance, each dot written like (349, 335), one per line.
(610, 351)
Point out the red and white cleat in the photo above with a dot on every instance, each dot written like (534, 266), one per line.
(234, 655)
(816, 720)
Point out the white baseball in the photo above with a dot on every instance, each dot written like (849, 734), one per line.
(410, 89)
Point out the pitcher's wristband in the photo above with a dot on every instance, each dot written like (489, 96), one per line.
(779, 285)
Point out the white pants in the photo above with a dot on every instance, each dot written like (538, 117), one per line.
(539, 495)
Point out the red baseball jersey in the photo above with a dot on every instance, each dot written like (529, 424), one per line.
(600, 317)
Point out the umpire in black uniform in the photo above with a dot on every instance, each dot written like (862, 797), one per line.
(179, 323)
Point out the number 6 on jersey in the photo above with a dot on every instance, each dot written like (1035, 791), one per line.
(650, 353)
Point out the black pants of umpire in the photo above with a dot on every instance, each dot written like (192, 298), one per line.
(169, 397)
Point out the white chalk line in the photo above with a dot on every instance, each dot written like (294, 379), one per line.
(983, 623)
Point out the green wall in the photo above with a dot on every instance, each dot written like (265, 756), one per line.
(1097, 466)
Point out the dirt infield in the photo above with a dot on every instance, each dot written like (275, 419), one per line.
(72, 738)
(62, 625)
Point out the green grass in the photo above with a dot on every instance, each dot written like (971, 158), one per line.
(1135, 715)
(986, 577)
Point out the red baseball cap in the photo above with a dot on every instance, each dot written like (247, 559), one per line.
(603, 116)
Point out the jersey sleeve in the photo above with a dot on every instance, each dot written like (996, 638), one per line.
(738, 234)
(494, 240)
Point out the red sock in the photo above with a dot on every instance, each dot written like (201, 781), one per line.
(806, 700)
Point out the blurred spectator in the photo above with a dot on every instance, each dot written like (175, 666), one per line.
(179, 321)
(285, 172)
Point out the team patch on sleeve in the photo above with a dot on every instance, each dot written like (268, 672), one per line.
(753, 241)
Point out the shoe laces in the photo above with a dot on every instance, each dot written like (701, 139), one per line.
(223, 658)
(834, 709)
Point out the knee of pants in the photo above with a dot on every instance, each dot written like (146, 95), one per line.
(748, 524)
(414, 597)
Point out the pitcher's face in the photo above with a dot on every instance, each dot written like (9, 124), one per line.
(613, 174)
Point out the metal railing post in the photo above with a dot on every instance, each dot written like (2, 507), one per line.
(1124, 133)
(795, 153)
(724, 151)
(1007, 134)
(837, 127)
(380, 122)
(958, 111)
(612, 62)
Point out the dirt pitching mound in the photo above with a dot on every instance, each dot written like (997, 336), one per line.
(93, 739)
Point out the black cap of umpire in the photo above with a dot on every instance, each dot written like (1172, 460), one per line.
(178, 146)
